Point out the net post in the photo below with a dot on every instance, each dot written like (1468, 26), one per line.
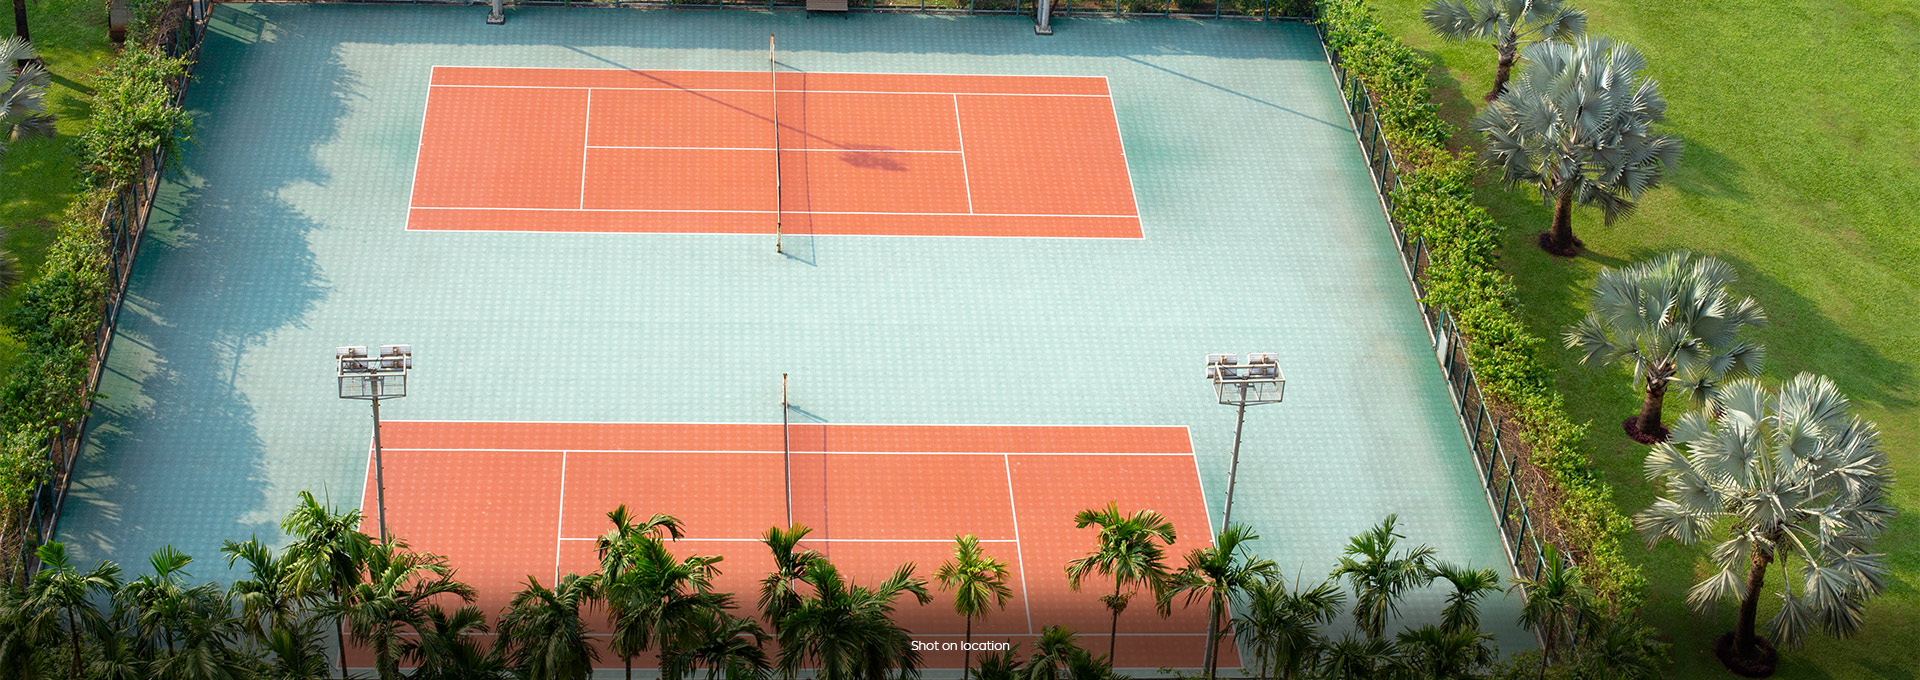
(773, 77)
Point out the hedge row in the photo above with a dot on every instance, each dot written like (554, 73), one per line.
(1435, 202)
(61, 308)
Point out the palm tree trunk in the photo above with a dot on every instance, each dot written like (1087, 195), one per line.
(629, 662)
(1213, 638)
(1745, 643)
(1113, 632)
(966, 649)
(20, 19)
(1508, 49)
(340, 638)
(73, 626)
(1649, 422)
(1561, 241)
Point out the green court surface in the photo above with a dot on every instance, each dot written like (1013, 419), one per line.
(283, 235)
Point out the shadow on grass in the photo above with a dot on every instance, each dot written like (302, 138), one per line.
(1799, 338)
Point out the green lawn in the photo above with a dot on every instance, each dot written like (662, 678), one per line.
(1802, 169)
(37, 176)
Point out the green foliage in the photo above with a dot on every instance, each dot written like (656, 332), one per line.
(1435, 202)
(134, 115)
(56, 315)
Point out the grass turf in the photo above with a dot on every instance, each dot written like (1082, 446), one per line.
(1801, 170)
(37, 176)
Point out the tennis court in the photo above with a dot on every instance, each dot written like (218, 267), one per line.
(694, 151)
(511, 500)
(1004, 260)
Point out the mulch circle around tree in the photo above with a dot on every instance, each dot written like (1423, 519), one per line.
(1632, 426)
(1546, 244)
(1761, 666)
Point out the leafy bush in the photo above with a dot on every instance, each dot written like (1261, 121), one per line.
(133, 115)
(1435, 202)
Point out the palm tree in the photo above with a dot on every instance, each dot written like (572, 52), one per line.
(1379, 576)
(657, 594)
(1437, 653)
(614, 546)
(25, 629)
(778, 595)
(1280, 627)
(1351, 658)
(159, 599)
(209, 640)
(326, 555)
(23, 90)
(386, 609)
(1507, 22)
(1055, 655)
(1790, 476)
(848, 629)
(1130, 551)
(730, 647)
(270, 599)
(545, 636)
(449, 647)
(61, 589)
(1557, 600)
(1578, 124)
(1621, 647)
(1002, 664)
(1463, 604)
(979, 585)
(297, 652)
(1219, 574)
(1675, 321)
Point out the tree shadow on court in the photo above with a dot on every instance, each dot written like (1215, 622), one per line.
(176, 454)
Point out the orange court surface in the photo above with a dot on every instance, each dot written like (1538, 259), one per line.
(607, 150)
(507, 501)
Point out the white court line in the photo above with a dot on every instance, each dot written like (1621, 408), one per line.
(767, 212)
(586, 140)
(824, 540)
(426, 106)
(769, 148)
(1019, 550)
(695, 70)
(836, 453)
(929, 426)
(763, 89)
(962, 135)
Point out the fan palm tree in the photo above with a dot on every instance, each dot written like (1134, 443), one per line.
(728, 646)
(657, 595)
(391, 605)
(1379, 576)
(979, 585)
(546, 638)
(270, 598)
(23, 89)
(848, 629)
(1463, 604)
(1130, 550)
(326, 555)
(1507, 22)
(449, 647)
(1557, 600)
(1790, 476)
(1578, 125)
(1675, 320)
(1280, 627)
(778, 594)
(1434, 652)
(1219, 574)
(61, 590)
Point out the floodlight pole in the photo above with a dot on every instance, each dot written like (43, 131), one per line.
(380, 465)
(1233, 470)
(786, 447)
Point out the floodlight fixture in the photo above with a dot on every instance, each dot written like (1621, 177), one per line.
(373, 378)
